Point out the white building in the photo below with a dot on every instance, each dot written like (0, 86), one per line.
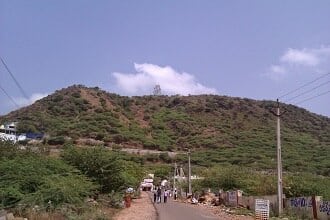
(8, 132)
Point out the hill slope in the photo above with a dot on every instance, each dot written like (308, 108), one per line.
(220, 129)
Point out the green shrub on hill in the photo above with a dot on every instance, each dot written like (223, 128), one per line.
(113, 171)
(28, 179)
(223, 130)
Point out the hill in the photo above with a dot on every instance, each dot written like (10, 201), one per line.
(219, 129)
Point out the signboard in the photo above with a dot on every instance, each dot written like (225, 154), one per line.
(232, 198)
(262, 209)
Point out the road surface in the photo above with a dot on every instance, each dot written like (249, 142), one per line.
(173, 210)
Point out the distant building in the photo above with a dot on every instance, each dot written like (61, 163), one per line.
(8, 132)
(9, 128)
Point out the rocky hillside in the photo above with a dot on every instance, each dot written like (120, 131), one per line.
(220, 129)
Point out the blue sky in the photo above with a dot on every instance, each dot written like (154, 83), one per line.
(253, 49)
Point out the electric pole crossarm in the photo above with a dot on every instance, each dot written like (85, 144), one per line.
(278, 114)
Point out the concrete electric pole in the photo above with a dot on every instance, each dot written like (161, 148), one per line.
(175, 171)
(189, 174)
(279, 162)
(278, 115)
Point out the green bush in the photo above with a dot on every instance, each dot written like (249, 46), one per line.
(305, 184)
(255, 183)
(57, 190)
(31, 179)
(165, 158)
(235, 177)
(163, 171)
(111, 170)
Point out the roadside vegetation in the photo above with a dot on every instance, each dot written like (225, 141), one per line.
(33, 184)
(112, 171)
(256, 183)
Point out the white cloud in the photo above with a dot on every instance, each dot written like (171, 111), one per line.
(300, 57)
(34, 97)
(171, 81)
(300, 61)
(278, 69)
(276, 72)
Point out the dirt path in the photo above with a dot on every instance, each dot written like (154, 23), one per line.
(173, 210)
(144, 209)
(141, 209)
(223, 215)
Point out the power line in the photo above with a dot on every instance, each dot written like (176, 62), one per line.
(305, 100)
(11, 99)
(303, 93)
(306, 84)
(13, 77)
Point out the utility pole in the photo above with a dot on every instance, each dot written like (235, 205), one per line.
(279, 162)
(175, 170)
(189, 173)
(278, 115)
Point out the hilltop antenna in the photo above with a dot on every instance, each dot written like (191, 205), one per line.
(157, 90)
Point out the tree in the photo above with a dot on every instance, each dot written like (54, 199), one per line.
(109, 169)
(30, 179)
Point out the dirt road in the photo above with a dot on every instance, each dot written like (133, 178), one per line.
(173, 210)
(141, 209)
(144, 209)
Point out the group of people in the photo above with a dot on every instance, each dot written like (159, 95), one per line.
(165, 193)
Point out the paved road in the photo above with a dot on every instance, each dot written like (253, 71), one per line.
(173, 210)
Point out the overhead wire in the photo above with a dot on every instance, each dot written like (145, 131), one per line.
(308, 91)
(15, 80)
(305, 100)
(306, 84)
(11, 99)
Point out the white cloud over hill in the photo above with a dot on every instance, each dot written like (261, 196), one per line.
(170, 80)
(297, 61)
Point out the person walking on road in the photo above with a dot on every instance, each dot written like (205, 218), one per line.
(155, 195)
(159, 195)
(175, 194)
(165, 195)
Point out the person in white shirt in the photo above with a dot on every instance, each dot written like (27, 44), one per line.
(165, 195)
